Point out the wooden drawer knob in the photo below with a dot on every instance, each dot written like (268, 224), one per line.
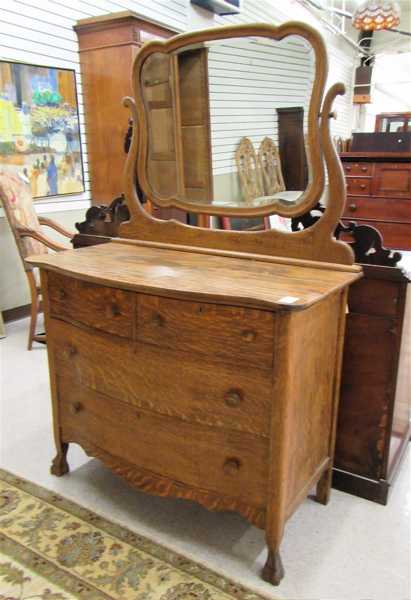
(249, 335)
(233, 398)
(62, 294)
(70, 351)
(364, 169)
(75, 407)
(115, 309)
(348, 168)
(158, 320)
(232, 466)
(353, 207)
(363, 186)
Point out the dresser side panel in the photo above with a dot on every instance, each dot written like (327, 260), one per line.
(314, 364)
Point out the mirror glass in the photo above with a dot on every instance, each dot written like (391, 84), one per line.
(227, 121)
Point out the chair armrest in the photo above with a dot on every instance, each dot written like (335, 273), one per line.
(50, 223)
(37, 235)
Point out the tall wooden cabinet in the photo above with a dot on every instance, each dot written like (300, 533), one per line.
(175, 92)
(108, 45)
(291, 145)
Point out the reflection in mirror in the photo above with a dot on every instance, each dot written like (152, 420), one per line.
(227, 121)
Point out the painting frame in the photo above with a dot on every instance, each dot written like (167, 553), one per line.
(61, 170)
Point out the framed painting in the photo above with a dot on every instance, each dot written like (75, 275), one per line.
(39, 128)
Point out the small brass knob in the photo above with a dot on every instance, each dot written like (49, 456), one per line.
(363, 186)
(353, 207)
(75, 407)
(348, 168)
(233, 398)
(232, 466)
(249, 335)
(364, 169)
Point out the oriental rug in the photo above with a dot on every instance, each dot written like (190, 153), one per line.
(53, 549)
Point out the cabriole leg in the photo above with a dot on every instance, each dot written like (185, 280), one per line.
(323, 489)
(59, 466)
(273, 570)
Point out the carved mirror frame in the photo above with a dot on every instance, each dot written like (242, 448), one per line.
(316, 243)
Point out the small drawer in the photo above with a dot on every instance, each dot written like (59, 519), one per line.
(221, 333)
(229, 463)
(97, 306)
(360, 168)
(168, 383)
(358, 186)
(392, 180)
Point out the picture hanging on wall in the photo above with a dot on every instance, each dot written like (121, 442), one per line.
(39, 128)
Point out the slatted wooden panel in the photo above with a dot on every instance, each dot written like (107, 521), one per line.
(341, 55)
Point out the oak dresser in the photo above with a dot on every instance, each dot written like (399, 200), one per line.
(200, 363)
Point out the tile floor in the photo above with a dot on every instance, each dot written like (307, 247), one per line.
(350, 550)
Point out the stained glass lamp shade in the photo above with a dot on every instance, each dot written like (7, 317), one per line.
(372, 15)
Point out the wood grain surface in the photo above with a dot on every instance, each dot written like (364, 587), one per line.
(231, 463)
(190, 275)
(167, 382)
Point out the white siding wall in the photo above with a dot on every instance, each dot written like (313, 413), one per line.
(247, 82)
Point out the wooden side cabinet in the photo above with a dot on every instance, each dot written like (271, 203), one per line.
(374, 411)
(108, 45)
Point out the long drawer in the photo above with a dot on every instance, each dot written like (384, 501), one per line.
(229, 463)
(168, 382)
(385, 209)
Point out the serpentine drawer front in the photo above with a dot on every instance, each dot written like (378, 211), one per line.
(229, 462)
(171, 383)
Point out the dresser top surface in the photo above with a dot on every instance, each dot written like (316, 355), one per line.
(244, 281)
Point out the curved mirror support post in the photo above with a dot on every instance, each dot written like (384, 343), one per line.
(231, 123)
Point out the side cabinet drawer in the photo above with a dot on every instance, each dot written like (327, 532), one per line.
(388, 209)
(358, 186)
(222, 333)
(392, 180)
(103, 308)
(360, 168)
(230, 463)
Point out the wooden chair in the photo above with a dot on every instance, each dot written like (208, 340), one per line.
(269, 163)
(248, 171)
(26, 227)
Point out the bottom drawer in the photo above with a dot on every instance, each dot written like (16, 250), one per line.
(233, 464)
(396, 236)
